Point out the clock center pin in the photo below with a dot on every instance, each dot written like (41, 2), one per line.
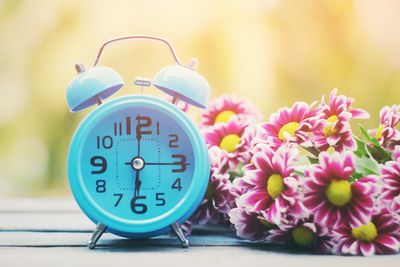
(137, 163)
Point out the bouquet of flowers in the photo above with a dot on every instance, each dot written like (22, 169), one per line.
(303, 178)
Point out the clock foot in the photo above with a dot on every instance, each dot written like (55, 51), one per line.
(176, 228)
(97, 233)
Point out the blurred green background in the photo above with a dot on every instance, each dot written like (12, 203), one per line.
(273, 52)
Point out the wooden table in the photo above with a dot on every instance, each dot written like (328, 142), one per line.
(53, 232)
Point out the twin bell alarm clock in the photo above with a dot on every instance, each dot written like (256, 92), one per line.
(137, 165)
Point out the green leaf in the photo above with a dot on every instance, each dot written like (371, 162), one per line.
(355, 176)
(361, 148)
(375, 151)
(299, 173)
(233, 175)
(366, 166)
(313, 160)
(379, 153)
(364, 132)
(238, 172)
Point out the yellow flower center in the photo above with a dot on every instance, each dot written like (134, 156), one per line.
(303, 236)
(330, 150)
(332, 119)
(230, 142)
(275, 185)
(339, 192)
(224, 116)
(289, 128)
(329, 129)
(378, 133)
(365, 233)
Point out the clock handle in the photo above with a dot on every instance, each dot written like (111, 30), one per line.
(143, 37)
(176, 228)
(97, 233)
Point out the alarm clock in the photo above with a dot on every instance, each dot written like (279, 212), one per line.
(137, 165)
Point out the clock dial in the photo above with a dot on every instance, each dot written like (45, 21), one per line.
(137, 163)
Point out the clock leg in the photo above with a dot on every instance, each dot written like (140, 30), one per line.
(97, 233)
(176, 228)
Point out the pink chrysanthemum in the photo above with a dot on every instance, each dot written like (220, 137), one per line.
(396, 153)
(232, 140)
(217, 160)
(218, 195)
(240, 186)
(187, 226)
(387, 134)
(390, 178)
(218, 199)
(274, 187)
(207, 212)
(340, 105)
(292, 125)
(304, 233)
(227, 107)
(394, 208)
(335, 132)
(332, 197)
(248, 224)
(380, 235)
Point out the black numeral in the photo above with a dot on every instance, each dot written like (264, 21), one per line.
(173, 140)
(119, 196)
(106, 142)
(128, 125)
(142, 122)
(117, 128)
(138, 208)
(99, 162)
(158, 128)
(100, 186)
(177, 184)
(181, 163)
(160, 199)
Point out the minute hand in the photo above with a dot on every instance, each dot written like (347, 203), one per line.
(181, 163)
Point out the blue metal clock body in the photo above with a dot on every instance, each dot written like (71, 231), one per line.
(137, 164)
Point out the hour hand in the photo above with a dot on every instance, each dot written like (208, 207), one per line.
(138, 183)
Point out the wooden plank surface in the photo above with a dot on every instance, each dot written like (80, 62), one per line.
(169, 256)
(53, 232)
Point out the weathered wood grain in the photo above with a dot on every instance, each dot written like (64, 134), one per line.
(67, 221)
(54, 232)
(38, 204)
(68, 239)
(170, 256)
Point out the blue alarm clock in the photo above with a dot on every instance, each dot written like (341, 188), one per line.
(137, 166)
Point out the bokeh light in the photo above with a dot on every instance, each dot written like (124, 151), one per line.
(273, 52)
